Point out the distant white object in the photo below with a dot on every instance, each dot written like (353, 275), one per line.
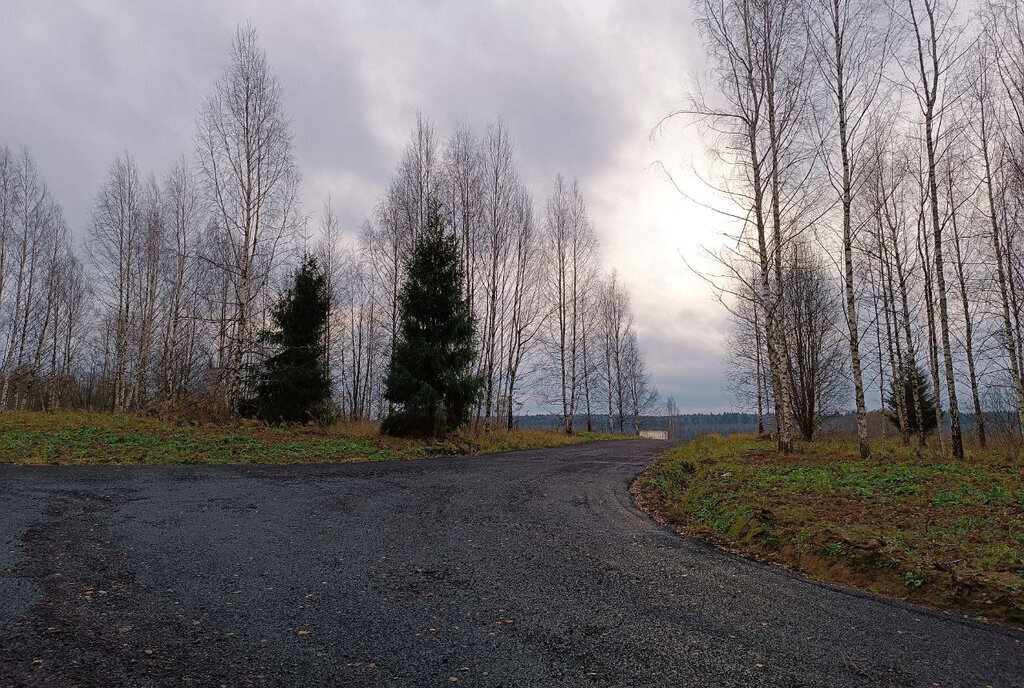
(654, 434)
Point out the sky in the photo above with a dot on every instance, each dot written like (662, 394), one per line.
(581, 85)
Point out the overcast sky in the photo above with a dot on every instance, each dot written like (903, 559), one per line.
(580, 84)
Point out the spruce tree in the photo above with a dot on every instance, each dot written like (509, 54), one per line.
(294, 385)
(430, 382)
(911, 377)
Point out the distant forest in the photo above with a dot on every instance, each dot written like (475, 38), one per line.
(686, 425)
(690, 425)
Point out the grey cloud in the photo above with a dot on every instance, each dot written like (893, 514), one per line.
(579, 83)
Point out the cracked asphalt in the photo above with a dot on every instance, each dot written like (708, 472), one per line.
(521, 569)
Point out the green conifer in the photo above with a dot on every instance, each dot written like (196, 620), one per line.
(430, 383)
(294, 385)
(910, 379)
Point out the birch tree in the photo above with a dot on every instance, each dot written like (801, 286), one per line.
(246, 159)
(984, 105)
(933, 55)
(615, 324)
(525, 308)
(501, 195)
(184, 213)
(850, 44)
(753, 116)
(570, 245)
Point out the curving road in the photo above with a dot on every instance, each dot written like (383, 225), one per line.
(523, 569)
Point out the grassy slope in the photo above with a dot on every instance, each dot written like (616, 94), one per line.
(935, 531)
(80, 438)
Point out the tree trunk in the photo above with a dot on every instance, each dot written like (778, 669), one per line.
(979, 418)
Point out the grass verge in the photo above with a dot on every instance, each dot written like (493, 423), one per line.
(943, 533)
(77, 438)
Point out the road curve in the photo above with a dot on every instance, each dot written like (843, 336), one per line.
(520, 569)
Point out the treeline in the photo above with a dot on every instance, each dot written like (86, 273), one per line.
(681, 426)
(873, 155)
(166, 299)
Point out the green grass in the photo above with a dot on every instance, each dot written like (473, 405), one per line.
(84, 438)
(904, 523)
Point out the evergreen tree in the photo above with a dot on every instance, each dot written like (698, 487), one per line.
(294, 385)
(430, 383)
(910, 378)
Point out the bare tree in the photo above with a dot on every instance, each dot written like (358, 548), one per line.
(362, 333)
(328, 252)
(58, 250)
(672, 414)
(812, 314)
(525, 307)
(962, 243)
(113, 239)
(147, 263)
(502, 194)
(850, 44)
(934, 54)
(244, 147)
(418, 182)
(184, 212)
(746, 360)
(982, 105)
(463, 195)
(889, 182)
(758, 52)
(68, 331)
(640, 390)
(35, 260)
(615, 324)
(885, 285)
(8, 213)
(570, 245)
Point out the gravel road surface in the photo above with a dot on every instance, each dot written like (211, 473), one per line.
(522, 569)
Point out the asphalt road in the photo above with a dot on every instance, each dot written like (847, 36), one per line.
(519, 569)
